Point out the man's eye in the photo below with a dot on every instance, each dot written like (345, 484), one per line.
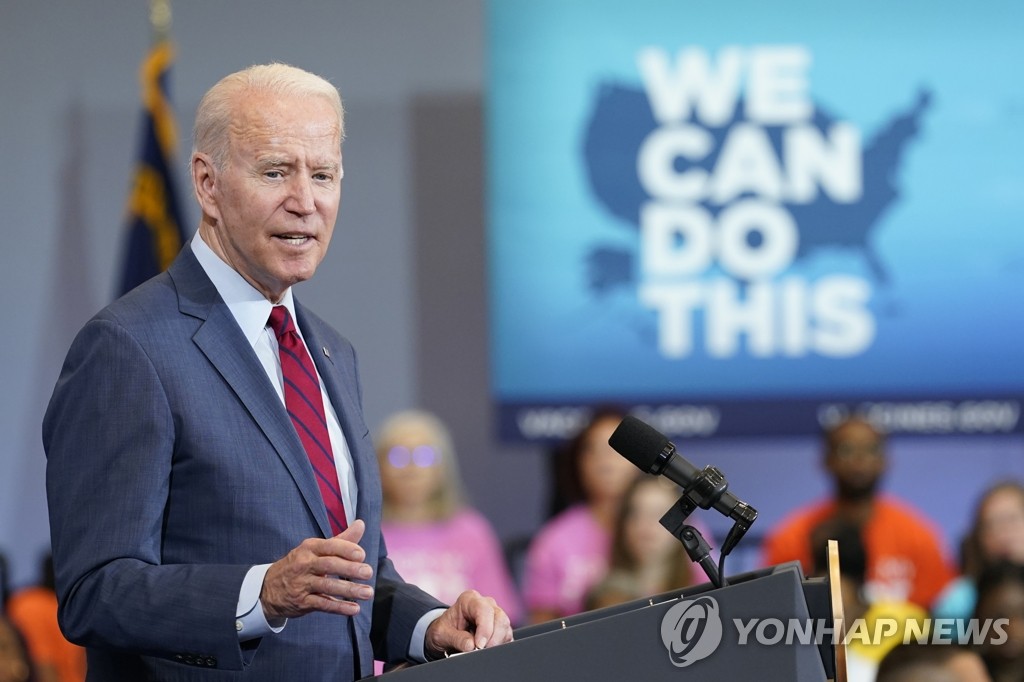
(274, 174)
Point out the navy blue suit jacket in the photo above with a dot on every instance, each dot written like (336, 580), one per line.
(173, 468)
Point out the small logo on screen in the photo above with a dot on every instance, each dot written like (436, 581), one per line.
(691, 630)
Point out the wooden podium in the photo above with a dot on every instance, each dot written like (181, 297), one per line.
(635, 641)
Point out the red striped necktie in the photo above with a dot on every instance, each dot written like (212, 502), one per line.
(306, 408)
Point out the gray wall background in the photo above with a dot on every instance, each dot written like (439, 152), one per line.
(405, 278)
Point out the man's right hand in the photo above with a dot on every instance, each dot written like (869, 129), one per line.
(319, 575)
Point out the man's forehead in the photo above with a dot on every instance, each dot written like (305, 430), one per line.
(274, 131)
(318, 145)
(855, 429)
(313, 114)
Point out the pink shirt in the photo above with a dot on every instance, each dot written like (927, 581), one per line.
(447, 558)
(566, 558)
(570, 554)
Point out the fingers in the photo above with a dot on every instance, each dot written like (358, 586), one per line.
(481, 613)
(491, 623)
(345, 558)
(473, 622)
(342, 556)
(319, 575)
(353, 533)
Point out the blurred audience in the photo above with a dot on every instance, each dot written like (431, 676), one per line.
(565, 482)
(905, 556)
(996, 535)
(868, 642)
(569, 553)
(15, 664)
(33, 611)
(918, 662)
(645, 559)
(1001, 596)
(434, 538)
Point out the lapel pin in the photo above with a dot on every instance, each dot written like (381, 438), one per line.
(327, 353)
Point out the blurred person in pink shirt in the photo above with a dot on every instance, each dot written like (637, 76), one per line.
(435, 539)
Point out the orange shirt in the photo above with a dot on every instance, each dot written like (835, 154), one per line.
(906, 560)
(34, 612)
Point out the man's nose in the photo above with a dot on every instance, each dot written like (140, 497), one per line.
(300, 196)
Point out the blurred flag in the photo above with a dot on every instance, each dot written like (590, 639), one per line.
(154, 227)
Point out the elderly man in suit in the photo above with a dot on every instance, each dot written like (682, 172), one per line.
(214, 496)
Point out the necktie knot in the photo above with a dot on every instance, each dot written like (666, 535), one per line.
(281, 321)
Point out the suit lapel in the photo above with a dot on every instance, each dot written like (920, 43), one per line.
(221, 340)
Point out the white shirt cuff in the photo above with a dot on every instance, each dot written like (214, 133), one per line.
(419, 634)
(249, 619)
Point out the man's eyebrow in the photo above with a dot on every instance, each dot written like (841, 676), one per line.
(274, 160)
(332, 166)
(284, 161)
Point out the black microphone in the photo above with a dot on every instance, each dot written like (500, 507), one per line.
(653, 453)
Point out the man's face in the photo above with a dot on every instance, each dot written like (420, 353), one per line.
(857, 461)
(270, 211)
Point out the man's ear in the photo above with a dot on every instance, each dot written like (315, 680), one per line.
(204, 181)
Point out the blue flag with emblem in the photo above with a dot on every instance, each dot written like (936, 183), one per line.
(154, 221)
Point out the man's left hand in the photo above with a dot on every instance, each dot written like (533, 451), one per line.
(472, 622)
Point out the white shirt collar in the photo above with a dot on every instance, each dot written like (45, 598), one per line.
(249, 307)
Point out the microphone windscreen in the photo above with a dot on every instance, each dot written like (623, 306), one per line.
(638, 442)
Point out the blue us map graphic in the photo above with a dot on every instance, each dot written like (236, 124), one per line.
(622, 119)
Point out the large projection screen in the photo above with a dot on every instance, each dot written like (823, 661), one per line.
(747, 218)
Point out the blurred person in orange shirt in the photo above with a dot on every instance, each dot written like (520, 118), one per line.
(33, 611)
(905, 556)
